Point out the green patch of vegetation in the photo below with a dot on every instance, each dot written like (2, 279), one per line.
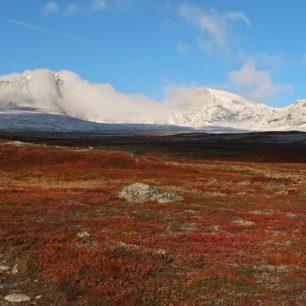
(232, 285)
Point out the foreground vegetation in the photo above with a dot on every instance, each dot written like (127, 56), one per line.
(236, 238)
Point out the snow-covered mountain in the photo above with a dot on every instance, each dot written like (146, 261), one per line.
(64, 93)
(212, 107)
(38, 90)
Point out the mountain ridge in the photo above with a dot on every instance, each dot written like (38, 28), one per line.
(66, 94)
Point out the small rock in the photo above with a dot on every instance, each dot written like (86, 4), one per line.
(4, 268)
(15, 270)
(128, 247)
(215, 228)
(291, 216)
(244, 222)
(17, 298)
(68, 202)
(161, 253)
(140, 193)
(38, 297)
(83, 234)
(288, 243)
(260, 212)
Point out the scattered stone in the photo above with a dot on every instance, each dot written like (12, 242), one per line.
(214, 229)
(288, 243)
(274, 232)
(17, 298)
(261, 212)
(15, 270)
(215, 194)
(140, 193)
(38, 297)
(190, 211)
(244, 222)
(291, 216)
(128, 246)
(161, 253)
(83, 234)
(68, 202)
(189, 227)
(4, 268)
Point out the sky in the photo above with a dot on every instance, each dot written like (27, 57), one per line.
(253, 48)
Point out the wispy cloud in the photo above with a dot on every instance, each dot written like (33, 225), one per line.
(99, 5)
(257, 84)
(124, 4)
(72, 9)
(238, 16)
(75, 8)
(44, 30)
(214, 24)
(50, 8)
(273, 62)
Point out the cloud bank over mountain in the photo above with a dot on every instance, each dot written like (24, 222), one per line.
(65, 93)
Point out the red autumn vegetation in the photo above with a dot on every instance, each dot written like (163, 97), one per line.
(284, 258)
(237, 237)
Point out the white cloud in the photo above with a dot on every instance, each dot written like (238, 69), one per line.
(72, 9)
(50, 8)
(99, 5)
(82, 99)
(54, 8)
(124, 4)
(257, 85)
(91, 6)
(182, 47)
(209, 22)
(274, 62)
(215, 24)
(238, 16)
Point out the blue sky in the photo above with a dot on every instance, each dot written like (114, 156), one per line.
(255, 48)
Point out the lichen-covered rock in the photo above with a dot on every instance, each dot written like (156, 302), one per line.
(83, 234)
(140, 193)
(17, 298)
(4, 268)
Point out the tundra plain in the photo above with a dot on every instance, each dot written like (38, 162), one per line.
(235, 236)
